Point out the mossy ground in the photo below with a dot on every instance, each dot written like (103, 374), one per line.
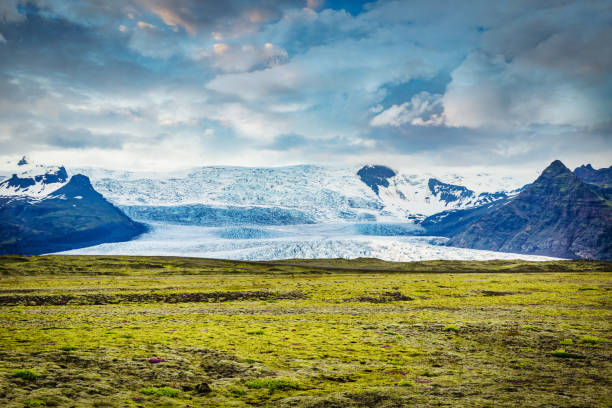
(335, 333)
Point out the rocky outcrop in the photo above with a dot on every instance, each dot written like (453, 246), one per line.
(375, 176)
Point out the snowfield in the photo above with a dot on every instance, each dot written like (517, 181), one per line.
(257, 243)
(321, 193)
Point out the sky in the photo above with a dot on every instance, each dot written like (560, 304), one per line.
(171, 84)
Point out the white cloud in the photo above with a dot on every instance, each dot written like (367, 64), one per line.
(146, 26)
(424, 109)
(337, 82)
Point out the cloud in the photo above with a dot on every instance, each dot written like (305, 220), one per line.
(545, 68)
(36, 136)
(335, 85)
(230, 16)
(2, 39)
(424, 109)
(278, 82)
(229, 58)
(80, 138)
(287, 142)
(8, 11)
(146, 26)
(151, 41)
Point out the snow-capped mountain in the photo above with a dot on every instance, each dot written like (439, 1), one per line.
(34, 181)
(416, 196)
(318, 193)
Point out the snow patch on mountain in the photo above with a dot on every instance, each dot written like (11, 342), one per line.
(33, 180)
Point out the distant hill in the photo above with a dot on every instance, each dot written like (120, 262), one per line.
(558, 215)
(72, 216)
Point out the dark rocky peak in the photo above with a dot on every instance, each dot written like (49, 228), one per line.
(22, 162)
(17, 182)
(58, 176)
(554, 169)
(588, 174)
(375, 176)
(556, 175)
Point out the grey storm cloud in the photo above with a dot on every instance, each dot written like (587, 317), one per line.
(81, 138)
(8, 11)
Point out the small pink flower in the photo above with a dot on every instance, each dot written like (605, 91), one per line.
(156, 360)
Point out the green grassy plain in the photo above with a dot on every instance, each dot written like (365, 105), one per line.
(100, 331)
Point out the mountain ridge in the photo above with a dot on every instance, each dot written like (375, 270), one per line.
(557, 215)
(601, 177)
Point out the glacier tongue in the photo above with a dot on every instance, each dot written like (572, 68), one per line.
(301, 241)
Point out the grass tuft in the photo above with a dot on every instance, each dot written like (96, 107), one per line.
(34, 403)
(593, 340)
(27, 375)
(451, 328)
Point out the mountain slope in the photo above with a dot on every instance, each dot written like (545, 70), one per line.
(452, 222)
(73, 216)
(557, 215)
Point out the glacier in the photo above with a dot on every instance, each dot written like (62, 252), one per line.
(302, 211)
(310, 241)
